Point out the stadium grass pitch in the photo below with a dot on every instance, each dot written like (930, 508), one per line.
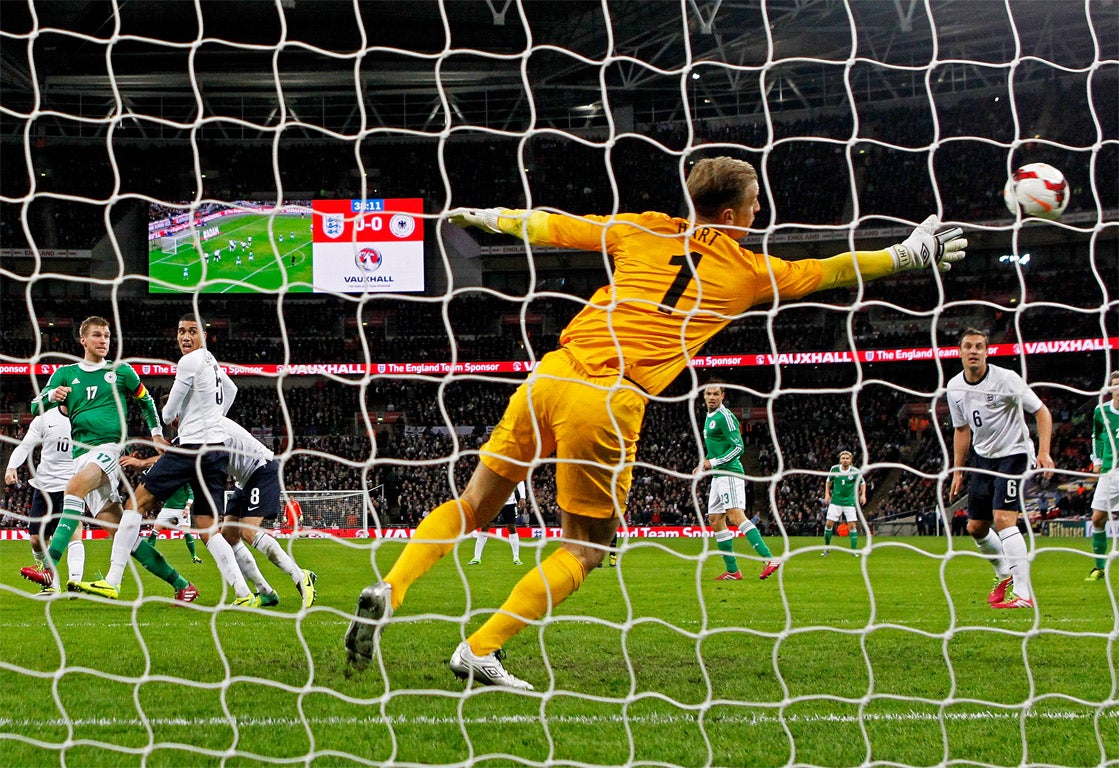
(290, 261)
(893, 658)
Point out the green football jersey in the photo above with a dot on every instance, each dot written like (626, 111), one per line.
(1105, 435)
(722, 440)
(180, 498)
(844, 484)
(97, 402)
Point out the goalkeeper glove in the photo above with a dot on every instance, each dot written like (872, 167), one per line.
(926, 247)
(484, 218)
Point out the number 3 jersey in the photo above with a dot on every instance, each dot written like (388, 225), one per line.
(670, 292)
(98, 402)
(992, 407)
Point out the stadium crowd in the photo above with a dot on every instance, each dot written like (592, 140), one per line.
(320, 431)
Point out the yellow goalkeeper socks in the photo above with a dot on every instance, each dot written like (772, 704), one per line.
(529, 600)
(435, 536)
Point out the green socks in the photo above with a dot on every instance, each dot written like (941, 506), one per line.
(1099, 546)
(755, 539)
(724, 540)
(149, 557)
(71, 519)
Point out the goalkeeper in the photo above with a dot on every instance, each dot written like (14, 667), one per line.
(675, 284)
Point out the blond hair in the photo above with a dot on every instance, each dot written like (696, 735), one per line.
(718, 183)
(91, 321)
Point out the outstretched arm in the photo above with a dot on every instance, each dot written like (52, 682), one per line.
(928, 245)
(534, 224)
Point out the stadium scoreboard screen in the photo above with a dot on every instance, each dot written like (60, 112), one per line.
(313, 246)
(363, 246)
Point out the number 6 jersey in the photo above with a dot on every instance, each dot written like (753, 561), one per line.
(993, 408)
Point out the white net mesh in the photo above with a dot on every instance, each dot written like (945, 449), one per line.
(862, 118)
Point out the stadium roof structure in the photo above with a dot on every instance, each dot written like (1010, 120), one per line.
(164, 69)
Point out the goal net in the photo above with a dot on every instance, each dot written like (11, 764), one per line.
(324, 146)
(332, 511)
(172, 243)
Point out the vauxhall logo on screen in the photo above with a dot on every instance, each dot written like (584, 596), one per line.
(368, 261)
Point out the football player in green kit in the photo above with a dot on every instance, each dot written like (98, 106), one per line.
(722, 441)
(1105, 460)
(95, 392)
(843, 482)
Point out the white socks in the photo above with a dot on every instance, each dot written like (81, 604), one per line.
(227, 564)
(270, 548)
(1017, 560)
(991, 544)
(480, 538)
(124, 541)
(75, 556)
(247, 563)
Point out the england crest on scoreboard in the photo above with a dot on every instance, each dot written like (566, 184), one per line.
(333, 224)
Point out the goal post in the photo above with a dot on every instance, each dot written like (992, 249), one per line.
(338, 509)
(172, 243)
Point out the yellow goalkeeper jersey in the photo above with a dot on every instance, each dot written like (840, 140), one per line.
(670, 292)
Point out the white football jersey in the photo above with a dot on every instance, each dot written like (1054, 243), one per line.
(200, 397)
(51, 432)
(246, 453)
(993, 408)
(517, 494)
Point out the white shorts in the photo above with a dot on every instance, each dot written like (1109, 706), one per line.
(850, 514)
(173, 518)
(727, 492)
(107, 459)
(1106, 497)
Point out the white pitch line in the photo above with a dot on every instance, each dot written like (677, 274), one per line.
(652, 719)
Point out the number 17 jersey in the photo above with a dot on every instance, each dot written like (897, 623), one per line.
(98, 402)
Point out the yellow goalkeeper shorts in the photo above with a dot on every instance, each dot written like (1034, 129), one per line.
(589, 422)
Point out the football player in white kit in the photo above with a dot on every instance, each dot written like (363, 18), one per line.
(516, 504)
(49, 431)
(988, 406)
(256, 473)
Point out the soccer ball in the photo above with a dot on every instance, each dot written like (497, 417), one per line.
(1036, 189)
